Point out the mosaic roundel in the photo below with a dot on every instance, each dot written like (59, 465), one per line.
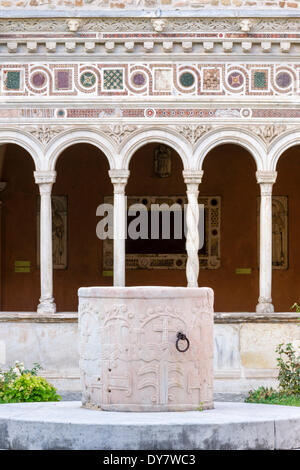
(187, 79)
(87, 79)
(60, 113)
(38, 79)
(149, 113)
(235, 79)
(138, 79)
(283, 79)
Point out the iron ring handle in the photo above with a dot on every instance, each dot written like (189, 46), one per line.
(182, 337)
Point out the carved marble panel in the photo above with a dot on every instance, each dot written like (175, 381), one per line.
(209, 255)
(128, 355)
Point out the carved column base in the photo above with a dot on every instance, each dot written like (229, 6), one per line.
(46, 306)
(264, 306)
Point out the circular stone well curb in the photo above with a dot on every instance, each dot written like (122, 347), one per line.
(66, 425)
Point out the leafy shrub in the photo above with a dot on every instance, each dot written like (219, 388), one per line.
(261, 394)
(272, 397)
(288, 361)
(23, 385)
(289, 369)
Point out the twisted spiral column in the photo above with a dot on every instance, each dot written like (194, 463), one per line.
(119, 180)
(192, 179)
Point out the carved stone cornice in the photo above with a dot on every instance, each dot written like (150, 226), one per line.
(183, 24)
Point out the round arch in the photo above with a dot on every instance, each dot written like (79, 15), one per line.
(231, 136)
(154, 135)
(79, 136)
(27, 142)
(281, 144)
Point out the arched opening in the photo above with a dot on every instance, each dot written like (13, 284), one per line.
(286, 226)
(229, 178)
(82, 183)
(156, 178)
(20, 285)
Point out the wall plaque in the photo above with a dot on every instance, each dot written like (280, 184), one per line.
(169, 254)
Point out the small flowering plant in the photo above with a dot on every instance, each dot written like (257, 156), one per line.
(18, 384)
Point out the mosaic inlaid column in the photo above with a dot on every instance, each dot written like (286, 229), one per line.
(119, 179)
(192, 180)
(45, 180)
(265, 179)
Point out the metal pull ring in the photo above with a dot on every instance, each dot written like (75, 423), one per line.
(182, 337)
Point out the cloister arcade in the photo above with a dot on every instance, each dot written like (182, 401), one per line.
(239, 158)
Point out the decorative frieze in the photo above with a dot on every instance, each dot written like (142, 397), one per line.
(149, 79)
(143, 24)
(148, 5)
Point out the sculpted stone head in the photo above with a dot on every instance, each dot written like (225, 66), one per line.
(159, 25)
(73, 24)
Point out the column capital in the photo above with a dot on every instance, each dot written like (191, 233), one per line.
(44, 177)
(266, 177)
(192, 176)
(119, 178)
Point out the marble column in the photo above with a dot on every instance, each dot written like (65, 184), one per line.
(265, 179)
(45, 180)
(192, 178)
(119, 180)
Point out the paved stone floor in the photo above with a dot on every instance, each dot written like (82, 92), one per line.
(66, 425)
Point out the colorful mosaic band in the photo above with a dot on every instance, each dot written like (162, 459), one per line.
(152, 79)
(148, 113)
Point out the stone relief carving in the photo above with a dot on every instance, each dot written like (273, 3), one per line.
(44, 133)
(127, 352)
(73, 24)
(118, 132)
(193, 132)
(246, 25)
(144, 24)
(209, 255)
(269, 131)
(159, 24)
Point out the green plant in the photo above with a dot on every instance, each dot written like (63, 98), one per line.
(200, 407)
(296, 307)
(18, 384)
(272, 397)
(289, 369)
(288, 361)
(261, 394)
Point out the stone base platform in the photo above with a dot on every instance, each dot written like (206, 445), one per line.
(66, 425)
